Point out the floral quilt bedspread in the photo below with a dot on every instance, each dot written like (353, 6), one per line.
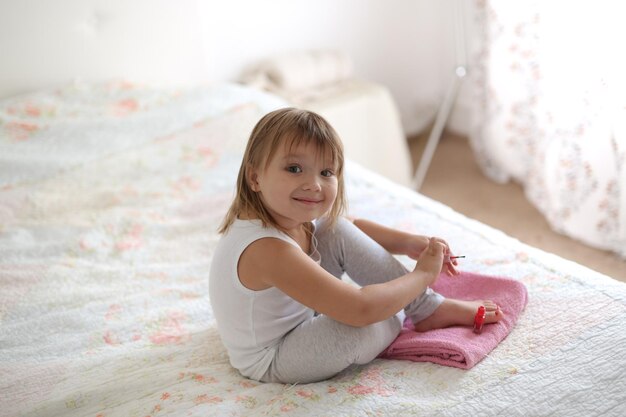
(110, 195)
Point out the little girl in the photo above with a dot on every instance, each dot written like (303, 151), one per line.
(282, 310)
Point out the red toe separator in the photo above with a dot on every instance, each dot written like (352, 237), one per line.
(479, 319)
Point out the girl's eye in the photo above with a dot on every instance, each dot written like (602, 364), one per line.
(327, 173)
(295, 169)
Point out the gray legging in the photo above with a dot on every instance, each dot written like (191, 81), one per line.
(321, 347)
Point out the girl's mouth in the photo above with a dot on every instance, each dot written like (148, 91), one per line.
(307, 200)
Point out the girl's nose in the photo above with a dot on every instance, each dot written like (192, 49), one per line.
(312, 183)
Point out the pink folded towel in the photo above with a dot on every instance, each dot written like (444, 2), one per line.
(459, 346)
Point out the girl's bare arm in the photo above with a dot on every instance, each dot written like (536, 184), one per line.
(402, 243)
(394, 241)
(271, 262)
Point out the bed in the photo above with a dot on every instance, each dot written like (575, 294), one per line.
(110, 195)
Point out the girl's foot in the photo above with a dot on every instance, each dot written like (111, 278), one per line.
(459, 312)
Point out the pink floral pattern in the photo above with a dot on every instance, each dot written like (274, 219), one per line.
(170, 329)
(551, 112)
(104, 305)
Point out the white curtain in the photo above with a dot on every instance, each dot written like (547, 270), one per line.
(550, 110)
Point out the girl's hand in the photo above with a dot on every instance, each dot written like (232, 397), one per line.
(417, 244)
(450, 265)
(431, 259)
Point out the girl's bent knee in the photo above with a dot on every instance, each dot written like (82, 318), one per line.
(369, 341)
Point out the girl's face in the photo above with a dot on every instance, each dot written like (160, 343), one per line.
(298, 185)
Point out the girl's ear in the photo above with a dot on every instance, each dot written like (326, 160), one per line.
(252, 179)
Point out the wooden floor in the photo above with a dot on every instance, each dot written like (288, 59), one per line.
(455, 179)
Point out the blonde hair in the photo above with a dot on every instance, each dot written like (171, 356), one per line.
(284, 127)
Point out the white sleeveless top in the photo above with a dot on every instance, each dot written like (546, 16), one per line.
(251, 323)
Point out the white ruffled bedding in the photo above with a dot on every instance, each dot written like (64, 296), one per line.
(109, 199)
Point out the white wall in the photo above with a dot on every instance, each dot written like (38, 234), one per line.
(403, 44)
(396, 43)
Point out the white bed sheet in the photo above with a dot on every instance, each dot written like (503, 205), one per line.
(109, 199)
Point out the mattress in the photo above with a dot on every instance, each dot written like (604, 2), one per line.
(110, 196)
